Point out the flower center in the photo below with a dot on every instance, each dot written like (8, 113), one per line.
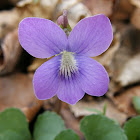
(68, 64)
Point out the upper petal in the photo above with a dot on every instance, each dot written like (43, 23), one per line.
(41, 37)
(46, 80)
(69, 90)
(93, 77)
(91, 36)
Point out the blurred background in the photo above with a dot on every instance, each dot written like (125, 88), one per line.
(121, 60)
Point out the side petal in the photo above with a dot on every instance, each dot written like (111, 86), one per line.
(94, 79)
(91, 36)
(70, 91)
(41, 37)
(45, 81)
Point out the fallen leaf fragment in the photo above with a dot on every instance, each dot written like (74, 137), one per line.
(123, 101)
(81, 12)
(100, 6)
(10, 52)
(135, 2)
(125, 64)
(131, 72)
(8, 21)
(81, 109)
(23, 3)
(123, 10)
(135, 18)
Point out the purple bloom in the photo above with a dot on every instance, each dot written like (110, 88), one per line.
(71, 72)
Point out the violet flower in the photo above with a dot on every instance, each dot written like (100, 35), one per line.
(71, 72)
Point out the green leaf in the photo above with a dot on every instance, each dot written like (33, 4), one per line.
(99, 127)
(67, 135)
(136, 103)
(132, 128)
(138, 137)
(104, 109)
(35, 1)
(98, 111)
(69, 28)
(10, 135)
(47, 126)
(13, 121)
(94, 110)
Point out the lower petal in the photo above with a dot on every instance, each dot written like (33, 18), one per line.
(93, 79)
(45, 79)
(69, 90)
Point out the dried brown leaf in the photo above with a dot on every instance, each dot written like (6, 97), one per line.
(125, 65)
(123, 10)
(135, 2)
(81, 12)
(16, 90)
(124, 100)
(10, 52)
(8, 21)
(135, 18)
(100, 6)
(80, 109)
(23, 3)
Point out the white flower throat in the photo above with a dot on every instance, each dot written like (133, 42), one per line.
(68, 64)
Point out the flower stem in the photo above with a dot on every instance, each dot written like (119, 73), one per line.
(58, 105)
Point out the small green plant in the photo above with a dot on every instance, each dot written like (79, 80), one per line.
(50, 126)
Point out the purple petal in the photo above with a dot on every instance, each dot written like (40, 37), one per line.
(41, 37)
(94, 79)
(46, 80)
(70, 91)
(91, 36)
